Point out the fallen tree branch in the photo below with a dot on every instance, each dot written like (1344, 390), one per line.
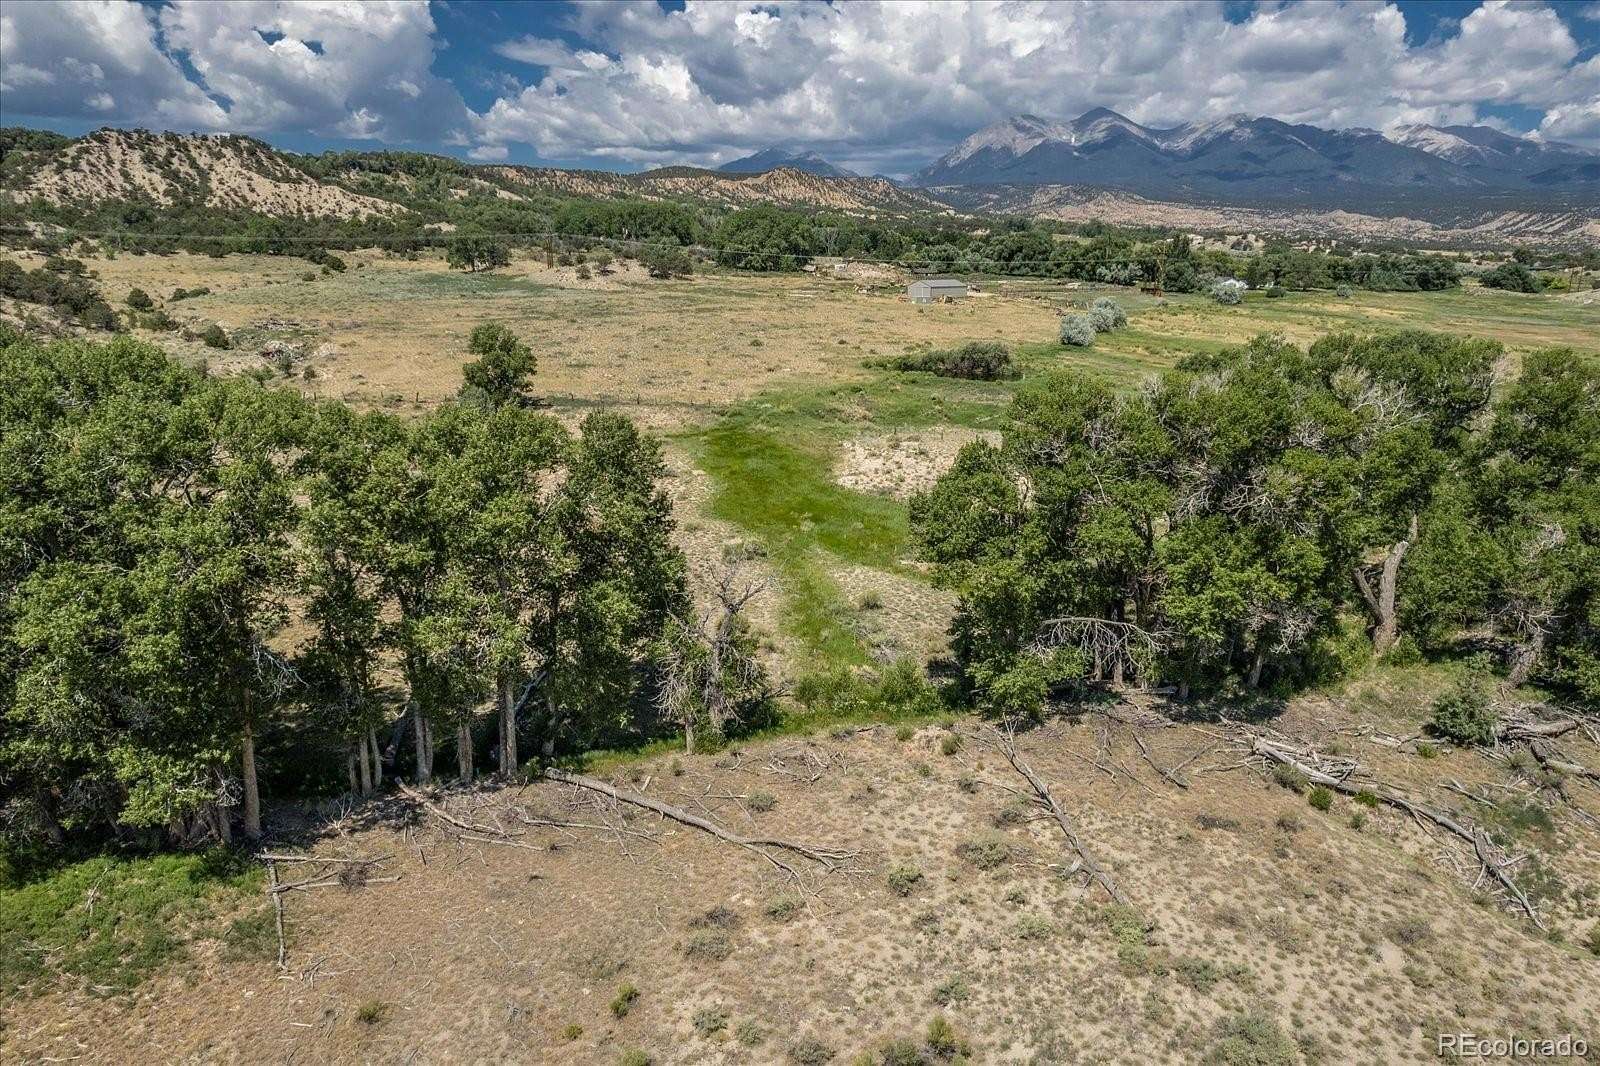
(1144, 750)
(828, 858)
(279, 890)
(277, 910)
(264, 857)
(444, 815)
(1047, 800)
(1495, 865)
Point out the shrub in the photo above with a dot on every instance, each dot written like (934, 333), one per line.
(571, 1032)
(215, 337)
(1410, 932)
(709, 945)
(1289, 777)
(635, 1058)
(973, 361)
(1228, 291)
(140, 300)
(749, 1033)
(956, 990)
(985, 852)
(1289, 822)
(1107, 315)
(1035, 927)
(1367, 798)
(372, 1012)
(1077, 330)
(950, 744)
(709, 1021)
(1464, 714)
(1512, 277)
(1197, 973)
(944, 1041)
(1321, 798)
(1343, 292)
(621, 1003)
(1593, 943)
(810, 1051)
(1252, 1040)
(761, 802)
(901, 1052)
(1358, 820)
(783, 908)
(666, 261)
(1275, 291)
(160, 321)
(903, 879)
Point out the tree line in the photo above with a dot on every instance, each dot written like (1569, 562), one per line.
(210, 587)
(1221, 530)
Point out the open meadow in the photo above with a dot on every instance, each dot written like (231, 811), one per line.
(781, 437)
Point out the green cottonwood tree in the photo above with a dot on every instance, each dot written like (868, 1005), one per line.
(1415, 396)
(1538, 490)
(499, 375)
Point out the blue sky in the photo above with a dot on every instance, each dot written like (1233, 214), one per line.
(878, 87)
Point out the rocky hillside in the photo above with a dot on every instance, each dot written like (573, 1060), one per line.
(217, 170)
(783, 186)
(1573, 226)
(234, 172)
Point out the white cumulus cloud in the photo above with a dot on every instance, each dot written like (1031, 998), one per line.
(875, 86)
(889, 84)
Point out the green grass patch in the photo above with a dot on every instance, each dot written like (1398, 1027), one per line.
(112, 922)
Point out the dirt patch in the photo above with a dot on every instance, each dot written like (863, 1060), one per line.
(1357, 941)
(902, 464)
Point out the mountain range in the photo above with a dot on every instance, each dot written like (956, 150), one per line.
(1241, 156)
(777, 156)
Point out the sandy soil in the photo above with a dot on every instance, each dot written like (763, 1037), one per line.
(905, 463)
(1362, 943)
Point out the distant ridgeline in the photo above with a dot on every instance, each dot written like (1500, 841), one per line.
(158, 193)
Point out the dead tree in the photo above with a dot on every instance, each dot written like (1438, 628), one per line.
(826, 857)
(1120, 648)
(1381, 601)
(1006, 743)
(1492, 860)
(709, 673)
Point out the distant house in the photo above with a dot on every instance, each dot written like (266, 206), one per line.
(928, 290)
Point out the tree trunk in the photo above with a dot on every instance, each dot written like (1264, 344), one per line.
(47, 815)
(508, 726)
(252, 794)
(377, 759)
(464, 750)
(224, 825)
(350, 769)
(688, 734)
(424, 737)
(1525, 657)
(1117, 615)
(1381, 602)
(1255, 669)
(365, 761)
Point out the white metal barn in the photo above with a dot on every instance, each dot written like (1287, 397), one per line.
(928, 290)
